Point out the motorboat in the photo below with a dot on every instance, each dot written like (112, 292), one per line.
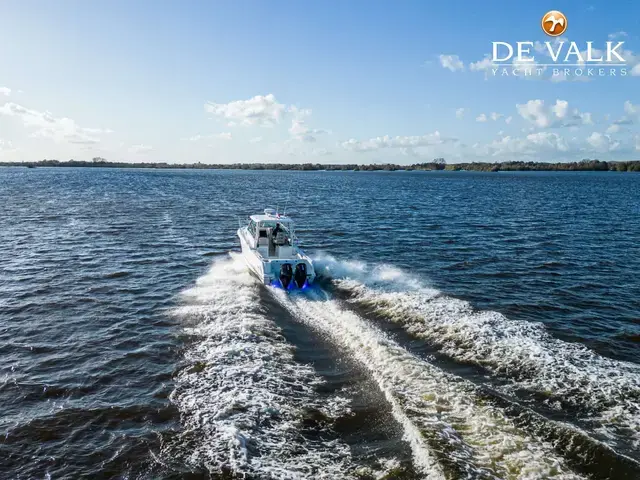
(272, 253)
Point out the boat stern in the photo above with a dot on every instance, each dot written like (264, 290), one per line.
(294, 273)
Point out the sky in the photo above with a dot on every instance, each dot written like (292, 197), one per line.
(322, 82)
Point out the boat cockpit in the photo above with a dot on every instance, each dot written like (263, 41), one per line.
(273, 237)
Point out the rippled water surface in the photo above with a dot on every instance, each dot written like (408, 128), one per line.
(469, 326)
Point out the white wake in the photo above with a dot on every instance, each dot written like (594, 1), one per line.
(450, 429)
(522, 352)
(243, 397)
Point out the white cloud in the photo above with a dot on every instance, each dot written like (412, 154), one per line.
(299, 113)
(508, 120)
(496, 116)
(460, 112)
(631, 116)
(379, 143)
(541, 48)
(140, 149)
(481, 118)
(196, 138)
(5, 144)
(5, 91)
(631, 109)
(264, 111)
(482, 65)
(260, 110)
(613, 36)
(602, 143)
(632, 60)
(533, 145)
(554, 116)
(595, 139)
(60, 130)
(451, 62)
(300, 131)
(551, 146)
(548, 140)
(615, 128)
(624, 120)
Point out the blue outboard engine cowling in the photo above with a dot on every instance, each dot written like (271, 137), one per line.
(300, 275)
(286, 274)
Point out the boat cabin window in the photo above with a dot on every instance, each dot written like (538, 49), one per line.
(263, 233)
(252, 228)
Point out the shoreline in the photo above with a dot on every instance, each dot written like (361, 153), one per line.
(582, 166)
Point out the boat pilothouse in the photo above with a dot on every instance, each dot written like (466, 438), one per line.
(270, 248)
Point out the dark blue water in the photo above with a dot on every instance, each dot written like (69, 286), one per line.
(471, 326)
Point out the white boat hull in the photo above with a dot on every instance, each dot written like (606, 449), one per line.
(267, 270)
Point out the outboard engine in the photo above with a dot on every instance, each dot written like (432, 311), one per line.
(301, 274)
(286, 274)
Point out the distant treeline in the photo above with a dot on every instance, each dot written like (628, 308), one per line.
(437, 164)
(583, 166)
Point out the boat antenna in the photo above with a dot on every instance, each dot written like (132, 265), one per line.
(284, 213)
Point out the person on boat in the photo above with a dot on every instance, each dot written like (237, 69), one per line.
(278, 235)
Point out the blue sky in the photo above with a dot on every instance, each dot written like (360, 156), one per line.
(331, 82)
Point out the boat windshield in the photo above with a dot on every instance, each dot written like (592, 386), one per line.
(274, 224)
